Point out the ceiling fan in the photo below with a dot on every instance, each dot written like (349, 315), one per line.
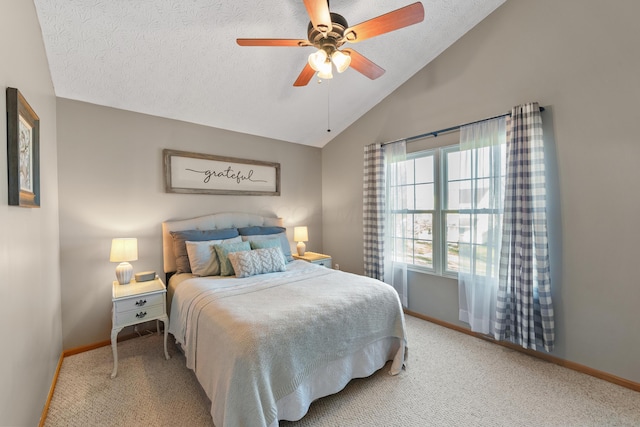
(328, 31)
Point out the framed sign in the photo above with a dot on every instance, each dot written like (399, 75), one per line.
(195, 173)
(23, 151)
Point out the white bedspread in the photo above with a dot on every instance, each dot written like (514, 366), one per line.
(252, 341)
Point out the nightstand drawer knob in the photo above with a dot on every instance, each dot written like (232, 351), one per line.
(141, 302)
(141, 314)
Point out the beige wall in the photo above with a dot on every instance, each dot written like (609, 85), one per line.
(580, 60)
(111, 185)
(30, 284)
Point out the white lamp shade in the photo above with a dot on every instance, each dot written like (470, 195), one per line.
(300, 234)
(325, 71)
(341, 60)
(317, 59)
(124, 249)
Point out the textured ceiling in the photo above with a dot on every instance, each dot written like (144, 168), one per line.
(179, 59)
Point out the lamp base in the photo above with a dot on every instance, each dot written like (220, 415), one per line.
(301, 247)
(124, 271)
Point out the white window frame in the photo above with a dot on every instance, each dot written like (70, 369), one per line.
(439, 244)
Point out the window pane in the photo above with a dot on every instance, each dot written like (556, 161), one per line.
(465, 162)
(424, 169)
(480, 259)
(483, 162)
(482, 226)
(465, 195)
(453, 166)
(453, 196)
(482, 193)
(423, 245)
(424, 253)
(410, 200)
(453, 257)
(399, 222)
(452, 227)
(407, 225)
(464, 228)
(423, 226)
(409, 168)
(407, 249)
(424, 197)
(452, 223)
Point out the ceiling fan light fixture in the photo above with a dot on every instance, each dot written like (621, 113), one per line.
(318, 59)
(341, 60)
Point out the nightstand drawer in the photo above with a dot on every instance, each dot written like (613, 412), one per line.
(139, 302)
(324, 262)
(139, 315)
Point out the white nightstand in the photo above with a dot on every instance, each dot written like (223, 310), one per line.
(137, 303)
(315, 258)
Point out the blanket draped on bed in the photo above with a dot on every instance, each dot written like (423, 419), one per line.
(272, 331)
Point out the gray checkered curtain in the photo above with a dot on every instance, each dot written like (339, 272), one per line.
(373, 211)
(524, 311)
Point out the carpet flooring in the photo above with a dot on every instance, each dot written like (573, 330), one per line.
(452, 379)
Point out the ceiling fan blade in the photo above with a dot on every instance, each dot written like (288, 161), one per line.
(399, 18)
(305, 76)
(363, 65)
(318, 11)
(273, 42)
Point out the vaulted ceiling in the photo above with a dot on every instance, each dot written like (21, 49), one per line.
(179, 59)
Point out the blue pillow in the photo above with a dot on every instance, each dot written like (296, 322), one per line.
(268, 244)
(257, 230)
(280, 237)
(180, 247)
(223, 251)
(265, 244)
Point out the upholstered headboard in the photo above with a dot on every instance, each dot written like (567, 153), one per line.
(208, 222)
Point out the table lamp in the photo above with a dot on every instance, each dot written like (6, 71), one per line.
(124, 250)
(300, 235)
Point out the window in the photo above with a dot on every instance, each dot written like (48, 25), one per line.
(415, 207)
(439, 199)
(416, 220)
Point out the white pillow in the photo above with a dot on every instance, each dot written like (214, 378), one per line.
(202, 256)
(258, 261)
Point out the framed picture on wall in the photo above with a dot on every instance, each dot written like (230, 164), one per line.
(23, 151)
(196, 173)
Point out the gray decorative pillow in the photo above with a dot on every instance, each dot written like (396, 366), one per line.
(181, 237)
(223, 251)
(281, 237)
(203, 259)
(259, 261)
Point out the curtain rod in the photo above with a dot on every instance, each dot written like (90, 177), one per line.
(446, 130)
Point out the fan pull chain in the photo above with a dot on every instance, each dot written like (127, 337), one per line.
(328, 109)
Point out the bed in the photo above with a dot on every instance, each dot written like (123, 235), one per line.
(268, 338)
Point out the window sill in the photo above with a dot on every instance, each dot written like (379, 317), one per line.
(424, 270)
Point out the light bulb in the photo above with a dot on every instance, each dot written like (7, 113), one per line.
(341, 60)
(325, 71)
(317, 59)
